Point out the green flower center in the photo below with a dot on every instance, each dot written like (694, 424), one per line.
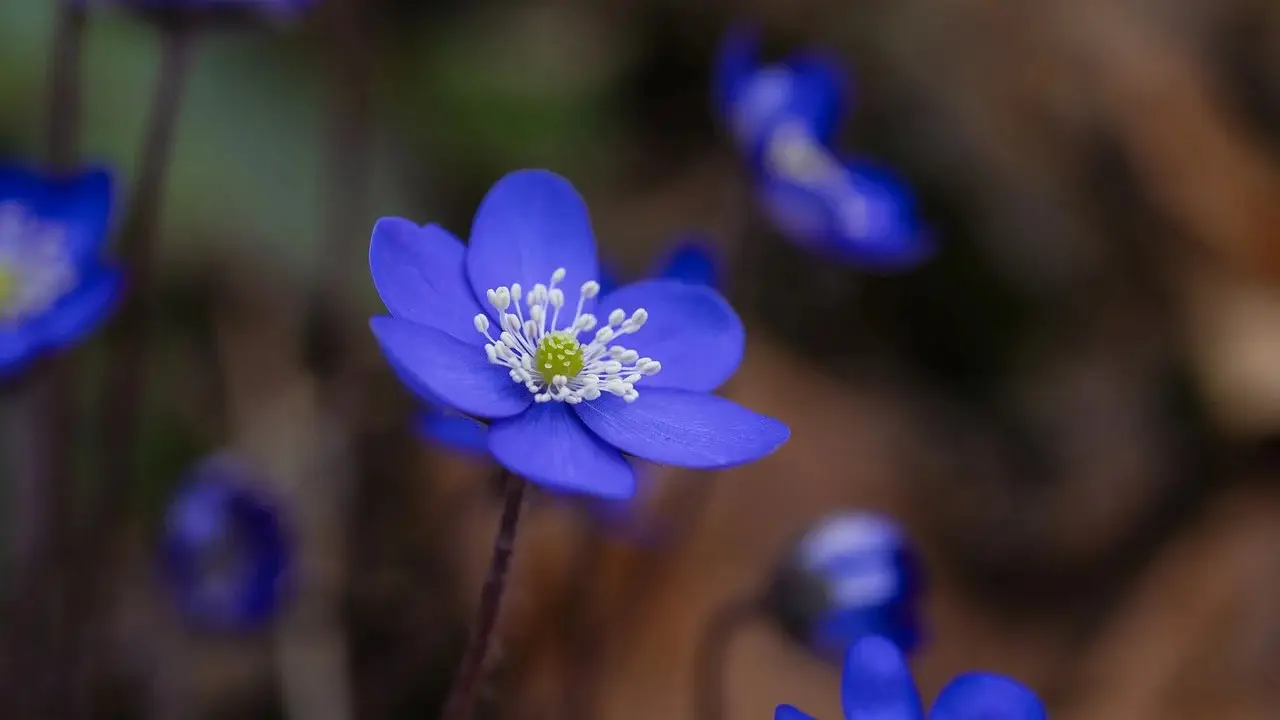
(559, 354)
(8, 288)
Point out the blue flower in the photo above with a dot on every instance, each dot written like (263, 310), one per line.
(784, 117)
(851, 575)
(689, 261)
(807, 88)
(877, 685)
(226, 552)
(564, 407)
(54, 286)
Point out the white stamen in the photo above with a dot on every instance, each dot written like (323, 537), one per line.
(35, 261)
(613, 369)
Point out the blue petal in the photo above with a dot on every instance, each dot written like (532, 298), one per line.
(420, 274)
(20, 184)
(81, 311)
(735, 63)
(531, 223)
(819, 97)
(692, 330)
(15, 350)
(877, 684)
(691, 261)
(547, 445)
(989, 697)
(84, 202)
(457, 373)
(455, 432)
(608, 282)
(786, 712)
(682, 428)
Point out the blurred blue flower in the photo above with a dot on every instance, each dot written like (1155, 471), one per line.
(784, 117)
(563, 411)
(691, 260)
(54, 286)
(851, 575)
(754, 98)
(226, 551)
(877, 685)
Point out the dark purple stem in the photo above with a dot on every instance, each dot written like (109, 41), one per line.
(128, 346)
(462, 697)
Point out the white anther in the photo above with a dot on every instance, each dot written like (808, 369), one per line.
(613, 369)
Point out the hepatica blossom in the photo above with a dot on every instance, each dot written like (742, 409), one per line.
(493, 330)
(689, 261)
(225, 548)
(784, 117)
(54, 286)
(877, 685)
(851, 575)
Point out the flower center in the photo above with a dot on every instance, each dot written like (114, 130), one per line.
(550, 360)
(35, 268)
(559, 354)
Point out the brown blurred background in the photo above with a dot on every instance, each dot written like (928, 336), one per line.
(1074, 408)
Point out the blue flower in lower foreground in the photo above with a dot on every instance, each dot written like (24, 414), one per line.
(559, 385)
(851, 575)
(689, 261)
(225, 548)
(877, 685)
(54, 286)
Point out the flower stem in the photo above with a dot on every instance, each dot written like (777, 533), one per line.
(129, 341)
(128, 344)
(462, 697)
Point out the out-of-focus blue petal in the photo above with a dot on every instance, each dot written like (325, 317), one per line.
(692, 330)
(736, 60)
(786, 712)
(457, 373)
(15, 350)
(420, 274)
(84, 202)
(81, 311)
(682, 428)
(20, 184)
(225, 548)
(854, 213)
(455, 432)
(851, 575)
(549, 446)
(692, 261)
(877, 684)
(985, 696)
(820, 93)
(529, 224)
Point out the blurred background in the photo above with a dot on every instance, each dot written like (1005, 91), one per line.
(1073, 408)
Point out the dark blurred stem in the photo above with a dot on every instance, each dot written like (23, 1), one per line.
(462, 696)
(128, 344)
(63, 120)
(712, 656)
(129, 341)
(350, 155)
